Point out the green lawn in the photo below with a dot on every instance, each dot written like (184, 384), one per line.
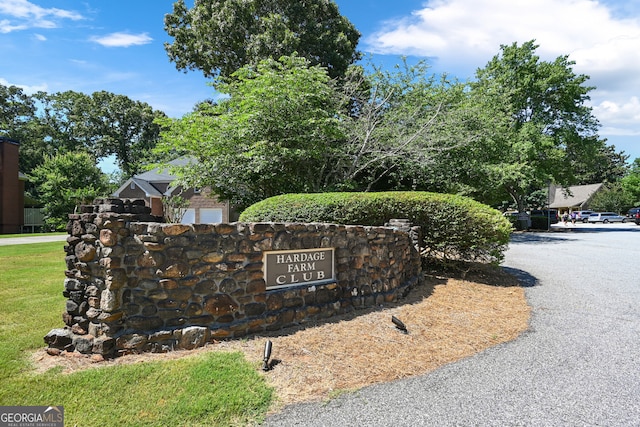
(205, 390)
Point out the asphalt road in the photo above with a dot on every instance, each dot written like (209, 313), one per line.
(577, 365)
(26, 239)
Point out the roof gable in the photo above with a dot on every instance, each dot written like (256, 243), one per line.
(147, 187)
(146, 180)
(162, 174)
(577, 195)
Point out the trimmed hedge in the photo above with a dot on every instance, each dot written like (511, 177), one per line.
(453, 227)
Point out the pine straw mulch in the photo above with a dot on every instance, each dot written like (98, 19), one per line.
(454, 315)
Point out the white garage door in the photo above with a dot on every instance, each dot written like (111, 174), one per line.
(189, 216)
(210, 215)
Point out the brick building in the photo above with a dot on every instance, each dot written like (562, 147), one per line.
(11, 188)
(156, 184)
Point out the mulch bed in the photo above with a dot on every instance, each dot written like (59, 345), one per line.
(455, 314)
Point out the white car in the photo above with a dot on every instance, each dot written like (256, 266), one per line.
(605, 217)
(583, 215)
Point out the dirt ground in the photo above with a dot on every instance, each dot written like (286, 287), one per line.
(452, 316)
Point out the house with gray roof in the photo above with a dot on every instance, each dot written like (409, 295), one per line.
(573, 198)
(156, 185)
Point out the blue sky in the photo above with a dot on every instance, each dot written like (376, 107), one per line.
(117, 46)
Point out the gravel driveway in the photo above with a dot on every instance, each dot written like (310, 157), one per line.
(578, 365)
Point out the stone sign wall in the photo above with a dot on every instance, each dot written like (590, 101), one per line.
(135, 284)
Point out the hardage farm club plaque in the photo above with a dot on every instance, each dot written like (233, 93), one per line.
(298, 267)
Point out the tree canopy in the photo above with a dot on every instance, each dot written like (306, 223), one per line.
(630, 184)
(286, 127)
(124, 128)
(101, 124)
(274, 134)
(400, 125)
(65, 181)
(219, 37)
(17, 111)
(308, 122)
(62, 140)
(536, 114)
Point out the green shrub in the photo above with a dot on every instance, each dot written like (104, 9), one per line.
(453, 227)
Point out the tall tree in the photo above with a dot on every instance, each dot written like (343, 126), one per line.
(276, 133)
(16, 110)
(287, 127)
(400, 126)
(125, 128)
(64, 121)
(102, 124)
(534, 110)
(220, 36)
(594, 161)
(58, 127)
(631, 183)
(17, 121)
(612, 198)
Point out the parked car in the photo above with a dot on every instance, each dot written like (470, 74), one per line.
(634, 215)
(606, 217)
(583, 215)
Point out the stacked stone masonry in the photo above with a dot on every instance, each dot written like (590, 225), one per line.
(134, 283)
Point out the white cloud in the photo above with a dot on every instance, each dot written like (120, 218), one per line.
(29, 90)
(463, 35)
(22, 14)
(622, 113)
(6, 27)
(80, 62)
(456, 30)
(122, 39)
